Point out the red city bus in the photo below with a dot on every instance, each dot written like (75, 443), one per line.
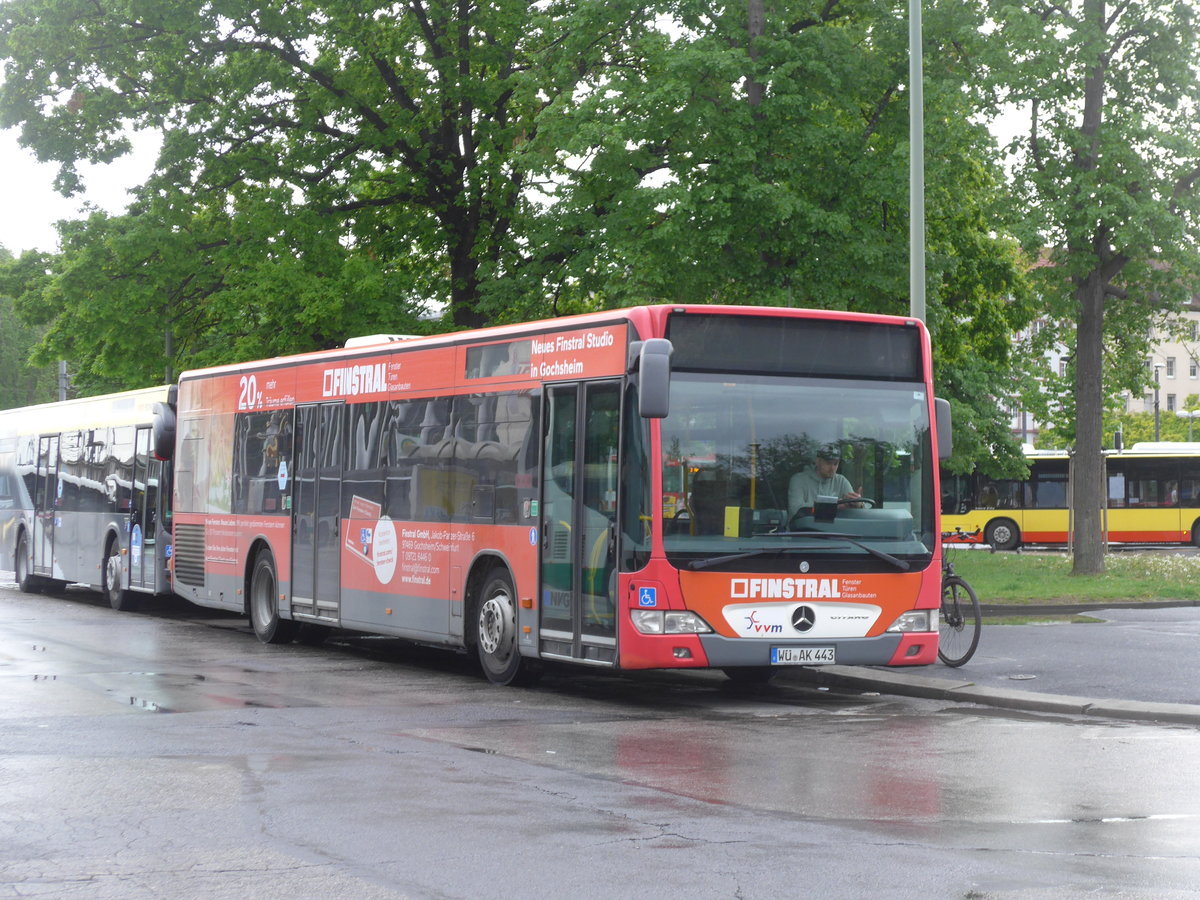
(609, 490)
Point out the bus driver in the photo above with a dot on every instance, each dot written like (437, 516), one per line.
(824, 480)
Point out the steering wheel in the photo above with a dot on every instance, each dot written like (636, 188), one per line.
(845, 501)
(849, 501)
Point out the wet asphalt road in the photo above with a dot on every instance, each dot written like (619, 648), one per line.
(1148, 655)
(169, 754)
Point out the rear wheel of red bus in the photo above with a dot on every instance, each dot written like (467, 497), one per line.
(496, 632)
(264, 607)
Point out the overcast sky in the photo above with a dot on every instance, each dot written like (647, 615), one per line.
(30, 206)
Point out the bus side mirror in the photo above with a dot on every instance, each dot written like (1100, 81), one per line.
(652, 360)
(945, 432)
(163, 433)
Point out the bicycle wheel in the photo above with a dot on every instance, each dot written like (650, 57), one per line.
(961, 621)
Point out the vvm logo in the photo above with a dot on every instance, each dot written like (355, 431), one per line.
(754, 626)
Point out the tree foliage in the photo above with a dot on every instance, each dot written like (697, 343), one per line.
(1107, 170)
(24, 383)
(333, 168)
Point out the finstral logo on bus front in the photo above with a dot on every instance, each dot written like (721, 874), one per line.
(783, 588)
(350, 381)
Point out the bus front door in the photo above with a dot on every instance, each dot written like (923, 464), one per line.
(581, 429)
(45, 504)
(316, 512)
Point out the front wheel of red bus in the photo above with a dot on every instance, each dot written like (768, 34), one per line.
(496, 632)
(264, 608)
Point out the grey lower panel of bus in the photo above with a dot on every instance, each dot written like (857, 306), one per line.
(417, 618)
(723, 651)
(219, 592)
(425, 619)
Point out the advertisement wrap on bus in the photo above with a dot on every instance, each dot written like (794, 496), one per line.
(659, 487)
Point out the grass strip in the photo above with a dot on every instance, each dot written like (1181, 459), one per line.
(1026, 579)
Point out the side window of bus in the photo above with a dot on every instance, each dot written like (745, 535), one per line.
(433, 490)
(400, 439)
(493, 429)
(118, 468)
(261, 442)
(365, 468)
(71, 471)
(1152, 483)
(1048, 485)
(27, 468)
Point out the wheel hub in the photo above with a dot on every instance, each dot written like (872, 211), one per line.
(496, 623)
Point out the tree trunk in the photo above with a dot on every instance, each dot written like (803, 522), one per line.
(755, 26)
(1089, 486)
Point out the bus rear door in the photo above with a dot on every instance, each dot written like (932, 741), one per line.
(578, 512)
(316, 512)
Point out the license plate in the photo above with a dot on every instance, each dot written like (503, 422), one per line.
(802, 656)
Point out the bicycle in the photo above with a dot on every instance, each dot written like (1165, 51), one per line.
(961, 616)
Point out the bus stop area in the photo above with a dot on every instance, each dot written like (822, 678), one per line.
(1132, 663)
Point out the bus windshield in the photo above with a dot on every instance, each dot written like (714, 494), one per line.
(740, 472)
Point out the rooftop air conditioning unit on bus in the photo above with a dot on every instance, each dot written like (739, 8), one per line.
(368, 339)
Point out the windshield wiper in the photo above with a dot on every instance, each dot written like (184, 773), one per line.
(902, 565)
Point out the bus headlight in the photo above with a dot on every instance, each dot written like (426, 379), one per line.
(916, 620)
(657, 621)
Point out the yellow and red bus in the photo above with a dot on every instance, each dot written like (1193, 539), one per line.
(609, 490)
(1153, 497)
(82, 497)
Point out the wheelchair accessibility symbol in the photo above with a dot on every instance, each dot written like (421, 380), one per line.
(647, 596)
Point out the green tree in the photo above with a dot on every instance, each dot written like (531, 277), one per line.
(1106, 173)
(330, 164)
(394, 130)
(769, 165)
(24, 383)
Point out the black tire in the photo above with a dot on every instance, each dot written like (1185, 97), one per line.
(26, 580)
(747, 675)
(1002, 534)
(118, 598)
(1196, 534)
(496, 632)
(268, 626)
(961, 621)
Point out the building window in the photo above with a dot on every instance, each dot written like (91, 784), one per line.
(1062, 367)
(1192, 329)
(1170, 367)
(1148, 403)
(1193, 369)
(1170, 403)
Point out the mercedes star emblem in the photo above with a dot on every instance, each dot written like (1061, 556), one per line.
(804, 618)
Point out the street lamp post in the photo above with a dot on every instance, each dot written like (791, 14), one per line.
(1157, 366)
(1190, 415)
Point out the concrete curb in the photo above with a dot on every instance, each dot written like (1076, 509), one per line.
(1000, 610)
(966, 691)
